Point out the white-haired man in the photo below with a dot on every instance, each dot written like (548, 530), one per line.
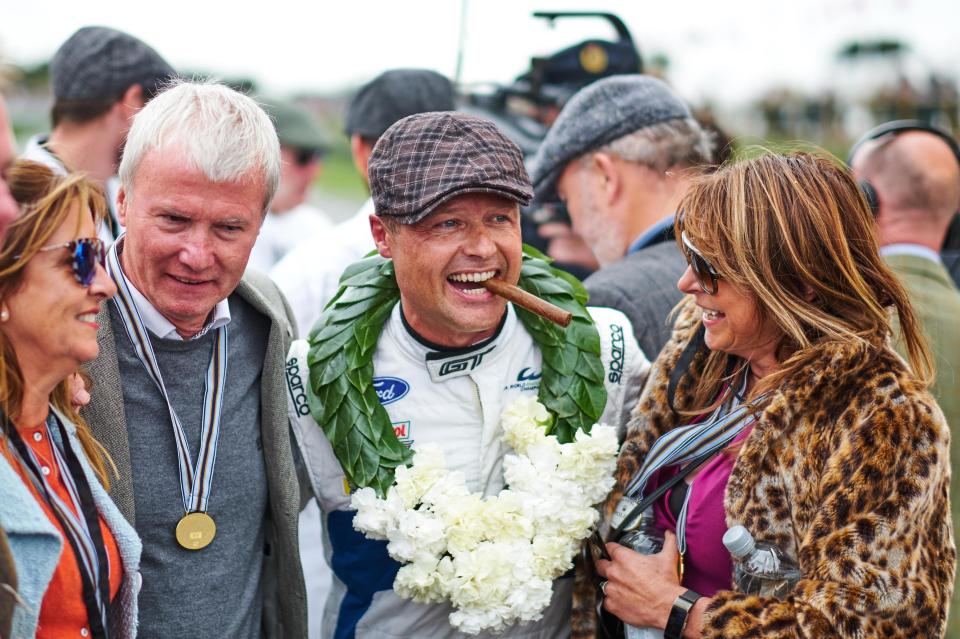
(188, 396)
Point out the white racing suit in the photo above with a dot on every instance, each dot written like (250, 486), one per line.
(452, 399)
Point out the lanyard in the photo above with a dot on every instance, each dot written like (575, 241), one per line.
(692, 443)
(195, 481)
(81, 524)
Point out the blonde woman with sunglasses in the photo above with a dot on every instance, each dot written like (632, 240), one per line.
(76, 556)
(780, 406)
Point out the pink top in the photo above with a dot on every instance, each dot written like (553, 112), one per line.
(707, 564)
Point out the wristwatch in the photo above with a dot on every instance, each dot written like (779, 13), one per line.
(677, 620)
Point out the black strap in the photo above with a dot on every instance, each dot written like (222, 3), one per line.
(643, 504)
(679, 614)
(90, 514)
(683, 364)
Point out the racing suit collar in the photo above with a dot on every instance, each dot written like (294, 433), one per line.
(446, 363)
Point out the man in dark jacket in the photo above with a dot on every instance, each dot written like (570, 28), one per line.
(617, 156)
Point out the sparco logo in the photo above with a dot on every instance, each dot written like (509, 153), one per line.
(616, 353)
(390, 389)
(295, 387)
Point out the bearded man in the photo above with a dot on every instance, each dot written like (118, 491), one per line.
(446, 359)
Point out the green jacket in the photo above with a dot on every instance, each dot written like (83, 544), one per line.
(937, 303)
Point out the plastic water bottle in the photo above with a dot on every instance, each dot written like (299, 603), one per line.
(646, 540)
(759, 568)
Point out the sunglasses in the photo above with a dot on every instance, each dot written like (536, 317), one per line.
(87, 253)
(306, 156)
(706, 275)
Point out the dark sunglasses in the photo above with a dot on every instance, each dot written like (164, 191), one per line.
(706, 275)
(306, 156)
(87, 252)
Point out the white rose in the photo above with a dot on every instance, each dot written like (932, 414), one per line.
(427, 469)
(418, 536)
(420, 581)
(374, 517)
(524, 422)
(528, 603)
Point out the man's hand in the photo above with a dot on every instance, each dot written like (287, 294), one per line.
(79, 393)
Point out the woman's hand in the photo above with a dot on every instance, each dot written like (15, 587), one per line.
(641, 589)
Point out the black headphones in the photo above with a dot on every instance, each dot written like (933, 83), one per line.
(892, 128)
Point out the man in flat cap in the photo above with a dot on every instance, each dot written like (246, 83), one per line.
(291, 218)
(447, 356)
(618, 156)
(100, 78)
(309, 275)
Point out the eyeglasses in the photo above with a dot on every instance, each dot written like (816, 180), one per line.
(306, 156)
(87, 252)
(706, 275)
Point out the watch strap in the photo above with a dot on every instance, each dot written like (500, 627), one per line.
(677, 620)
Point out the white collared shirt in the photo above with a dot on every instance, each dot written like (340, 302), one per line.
(160, 326)
(917, 250)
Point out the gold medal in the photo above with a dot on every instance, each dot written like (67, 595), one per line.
(196, 530)
(680, 569)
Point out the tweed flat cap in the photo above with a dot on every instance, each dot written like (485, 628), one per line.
(598, 114)
(393, 95)
(99, 63)
(425, 159)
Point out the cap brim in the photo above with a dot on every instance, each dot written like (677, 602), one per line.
(520, 198)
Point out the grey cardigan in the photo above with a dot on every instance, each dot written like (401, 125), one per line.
(285, 604)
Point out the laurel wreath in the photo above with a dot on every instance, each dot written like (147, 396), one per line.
(342, 342)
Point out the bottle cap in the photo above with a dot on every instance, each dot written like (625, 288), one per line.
(739, 541)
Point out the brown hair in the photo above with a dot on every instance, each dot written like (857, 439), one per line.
(794, 232)
(46, 200)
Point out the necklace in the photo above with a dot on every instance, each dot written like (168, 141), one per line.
(345, 404)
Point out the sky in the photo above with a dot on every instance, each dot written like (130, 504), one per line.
(725, 51)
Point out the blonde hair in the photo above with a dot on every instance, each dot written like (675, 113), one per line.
(46, 201)
(794, 232)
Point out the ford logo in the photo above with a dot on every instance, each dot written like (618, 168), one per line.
(390, 389)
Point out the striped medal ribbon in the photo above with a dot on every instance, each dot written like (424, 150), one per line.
(694, 442)
(196, 529)
(80, 524)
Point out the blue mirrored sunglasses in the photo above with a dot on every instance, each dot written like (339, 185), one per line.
(87, 252)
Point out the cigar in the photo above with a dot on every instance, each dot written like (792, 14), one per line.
(528, 301)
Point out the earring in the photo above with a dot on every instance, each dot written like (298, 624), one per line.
(4, 315)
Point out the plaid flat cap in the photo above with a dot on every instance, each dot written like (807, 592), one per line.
(100, 63)
(428, 158)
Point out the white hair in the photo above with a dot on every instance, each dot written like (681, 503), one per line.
(662, 146)
(222, 132)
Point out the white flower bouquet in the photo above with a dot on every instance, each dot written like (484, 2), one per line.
(493, 558)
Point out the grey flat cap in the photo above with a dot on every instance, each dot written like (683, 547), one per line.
(100, 63)
(427, 159)
(392, 96)
(598, 114)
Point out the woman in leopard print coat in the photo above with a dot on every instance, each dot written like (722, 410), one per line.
(846, 468)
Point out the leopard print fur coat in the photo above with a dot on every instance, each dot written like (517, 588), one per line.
(847, 471)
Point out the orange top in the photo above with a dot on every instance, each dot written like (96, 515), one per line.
(63, 613)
